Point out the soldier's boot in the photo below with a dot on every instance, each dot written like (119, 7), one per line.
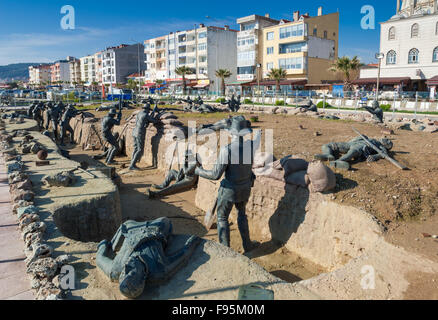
(223, 230)
(324, 157)
(134, 160)
(248, 245)
(338, 164)
(165, 184)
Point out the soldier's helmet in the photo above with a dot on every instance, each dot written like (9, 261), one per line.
(147, 106)
(375, 104)
(386, 143)
(112, 112)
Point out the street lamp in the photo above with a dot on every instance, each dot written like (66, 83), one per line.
(138, 63)
(379, 56)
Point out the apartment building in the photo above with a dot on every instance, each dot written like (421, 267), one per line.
(60, 70)
(249, 51)
(122, 61)
(91, 69)
(75, 71)
(204, 49)
(39, 74)
(409, 42)
(305, 47)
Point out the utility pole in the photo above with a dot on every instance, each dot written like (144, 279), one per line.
(379, 56)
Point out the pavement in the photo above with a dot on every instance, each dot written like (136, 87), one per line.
(14, 282)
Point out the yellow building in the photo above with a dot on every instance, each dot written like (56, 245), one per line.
(306, 48)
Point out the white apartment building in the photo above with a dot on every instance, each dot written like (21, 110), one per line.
(248, 49)
(121, 61)
(75, 71)
(409, 41)
(39, 74)
(204, 49)
(91, 69)
(60, 71)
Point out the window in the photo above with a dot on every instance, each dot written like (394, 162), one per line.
(202, 46)
(415, 30)
(270, 36)
(391, 33)
(202, 35)
(435, 55)
(248, 26)
(325, 34)
(246, 70)
(291, 47)
(292, 31)
(245, 56)
(315, 32)
(413, 56)
(270, 66)
(270, 50)
(291, 63)
(245, 41)
(391, 57)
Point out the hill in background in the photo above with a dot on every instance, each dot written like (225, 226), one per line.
(16, 71)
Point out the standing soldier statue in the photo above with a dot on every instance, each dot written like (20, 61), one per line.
(142, 121)
(54, 115)
(108, 122)
(236, 187)
(65, 123)
(37, 114)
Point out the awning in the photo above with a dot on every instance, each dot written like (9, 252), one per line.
(201, 86)
(283, 82)
(149, 85)
(239, 83)
(432, 81)
(382, 80)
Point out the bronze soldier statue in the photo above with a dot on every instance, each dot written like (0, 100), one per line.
(108, 122)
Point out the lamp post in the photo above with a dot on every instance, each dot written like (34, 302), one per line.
(379, 56)
(138, 63)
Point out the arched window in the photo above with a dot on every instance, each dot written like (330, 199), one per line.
(391, 57)
(413, 56)
(415, 30)
(435, 55)
(391, 34)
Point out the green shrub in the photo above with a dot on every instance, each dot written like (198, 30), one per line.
(280, 103)
(320, 105)
(220, 100)
(247, 101)
(385, 107)
(254, 119)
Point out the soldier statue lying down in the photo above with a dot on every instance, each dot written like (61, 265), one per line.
(355, 149)
(137, 255)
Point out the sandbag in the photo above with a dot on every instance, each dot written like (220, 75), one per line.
(168, 115)
(321, 177)
(298, 178)
(172, 122)
(270, 172)
(290, 165)
(262, 159)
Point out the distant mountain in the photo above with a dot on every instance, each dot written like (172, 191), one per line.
(17, 71)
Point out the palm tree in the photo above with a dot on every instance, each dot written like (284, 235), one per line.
(183, 71)
(277, 75)
(346, 66)
(222, 74)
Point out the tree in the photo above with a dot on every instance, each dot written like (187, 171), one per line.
(347, 66)
(277, 75)
(183, 71)
(222, 74)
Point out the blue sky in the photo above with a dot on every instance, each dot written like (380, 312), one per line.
(30, 31)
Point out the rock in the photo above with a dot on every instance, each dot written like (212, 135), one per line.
(33, 238)
(25, 195)
(35, 283)
(22, 185)
(34, 227)
(22, 210)
(39, 251)
(44, 268)
(15, 166)
(63, 259)
(16, 176)
(60, 179)
(26, 149)
(27, 219)
(49, 292)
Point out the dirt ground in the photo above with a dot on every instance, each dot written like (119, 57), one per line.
(404, 201)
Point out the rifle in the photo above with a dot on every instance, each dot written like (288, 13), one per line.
(380, 152)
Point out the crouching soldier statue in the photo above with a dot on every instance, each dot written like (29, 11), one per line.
(137, 255)
(235, 161)
(355, 149)
(185, 179)
(108, 122)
